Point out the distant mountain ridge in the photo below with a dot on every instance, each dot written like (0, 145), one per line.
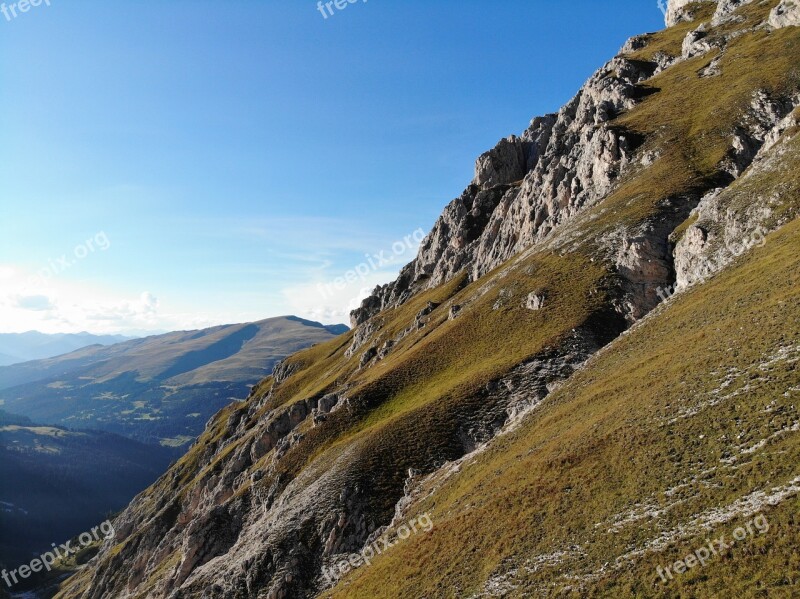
(159, 389)
(33, 345)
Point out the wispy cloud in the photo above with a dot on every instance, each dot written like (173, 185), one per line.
(309, 234)
(262, 268)
(65, 306)
(36, 303)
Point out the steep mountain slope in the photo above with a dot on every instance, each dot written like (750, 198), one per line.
(22, 347)
(491, 388)
(56, 483)
(679, 432)
(156, 389)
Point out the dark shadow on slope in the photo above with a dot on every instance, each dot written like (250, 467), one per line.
(222, 349)
(336, 329)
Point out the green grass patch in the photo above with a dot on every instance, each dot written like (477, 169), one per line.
(606, 442)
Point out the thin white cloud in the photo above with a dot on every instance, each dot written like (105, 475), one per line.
(321, 236)
(62, 306)
(35, 303)
(334, 295)
(289, 280)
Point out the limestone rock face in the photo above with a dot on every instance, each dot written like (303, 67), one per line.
(695, 43)
(677, 11)
(723, 230)
(504, 164)
(526, 186)
(282, 371)
(786, 14)
(762, 122)
(724, 10)
(535, 301)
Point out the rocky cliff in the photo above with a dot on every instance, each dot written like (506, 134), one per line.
(785, 13)
(523, 382)
(564, 163)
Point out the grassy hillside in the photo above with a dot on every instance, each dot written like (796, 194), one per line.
(679, 431)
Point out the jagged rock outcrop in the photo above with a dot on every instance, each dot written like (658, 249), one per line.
(283, 370)
(725, 9)
(506, 163)
(535, 300)
(786, 14)
(572, 160)
(763, 121)
(680, 10)
(526, 186)
(677, 11)
(725, 227)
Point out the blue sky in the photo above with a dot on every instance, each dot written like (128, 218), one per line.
(170, 165)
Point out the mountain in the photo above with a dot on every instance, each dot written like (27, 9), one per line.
(159, 389)
(21, 347)
(58, 483)
(584, 385)
(9, 359)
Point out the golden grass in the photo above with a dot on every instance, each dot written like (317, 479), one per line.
(605, 442)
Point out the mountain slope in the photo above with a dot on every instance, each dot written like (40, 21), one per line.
(155, 389)
(678, 432)
(491, 386)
